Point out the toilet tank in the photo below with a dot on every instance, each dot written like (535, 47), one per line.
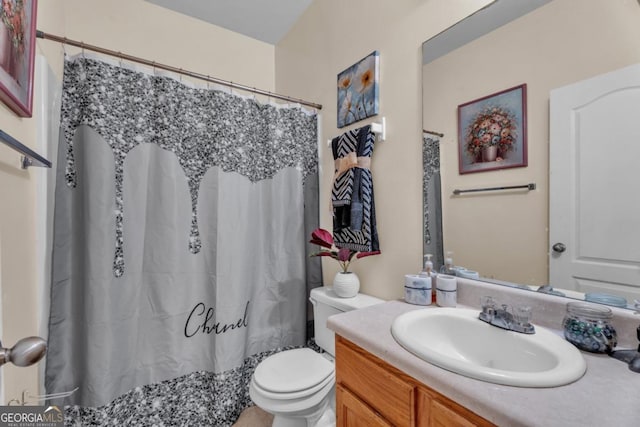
(326, 303)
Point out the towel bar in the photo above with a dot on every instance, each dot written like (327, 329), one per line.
(379, 128)
(29, 157)
(529, 187)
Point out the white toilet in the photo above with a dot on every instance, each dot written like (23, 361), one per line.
(298, 386)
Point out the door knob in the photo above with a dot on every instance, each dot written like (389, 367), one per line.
(559, 247)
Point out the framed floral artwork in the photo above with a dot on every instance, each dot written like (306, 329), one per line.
(358, 90)
(492, 131)
(17, 53)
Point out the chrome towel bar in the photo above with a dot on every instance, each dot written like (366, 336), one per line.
(529, 187)
(29, 157)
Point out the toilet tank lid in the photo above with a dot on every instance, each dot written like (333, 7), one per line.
(325, 295)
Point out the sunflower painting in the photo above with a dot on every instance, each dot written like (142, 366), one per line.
(358, 90)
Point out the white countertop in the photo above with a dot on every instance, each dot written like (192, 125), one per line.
(607, 395)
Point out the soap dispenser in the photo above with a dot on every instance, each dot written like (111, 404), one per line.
(428, 266)
(429, 272)
(447, 267)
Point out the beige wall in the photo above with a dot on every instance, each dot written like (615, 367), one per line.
(17, 232)
(501, 235)
(157, 34)
(134, 27)
(331, 36)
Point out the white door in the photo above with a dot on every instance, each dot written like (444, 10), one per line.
(594, 202)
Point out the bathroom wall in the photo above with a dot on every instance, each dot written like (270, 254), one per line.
(152, 32)
(17, 231)
(579, 39)
(331, 36)
(133, 27)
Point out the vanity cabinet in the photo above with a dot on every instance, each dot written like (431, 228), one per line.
(370, 392)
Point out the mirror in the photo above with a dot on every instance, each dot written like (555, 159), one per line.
(504, 235)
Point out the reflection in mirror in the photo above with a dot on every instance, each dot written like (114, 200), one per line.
(505, 235)
(432, 199)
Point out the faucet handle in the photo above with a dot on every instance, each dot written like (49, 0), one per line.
(488, 302)
(507, 313)
(522, 314)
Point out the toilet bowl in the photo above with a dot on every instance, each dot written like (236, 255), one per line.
(298, 386)
(295, 385)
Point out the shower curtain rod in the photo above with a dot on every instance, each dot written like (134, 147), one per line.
(82, 45)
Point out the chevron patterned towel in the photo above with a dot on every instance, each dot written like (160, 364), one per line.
(354, 219)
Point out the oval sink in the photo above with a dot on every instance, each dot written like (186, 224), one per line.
(456, 340)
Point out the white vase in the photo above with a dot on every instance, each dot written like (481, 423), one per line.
(346, 285)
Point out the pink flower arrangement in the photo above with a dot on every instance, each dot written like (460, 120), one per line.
(493, 126)
(13, 16)
(344, 256)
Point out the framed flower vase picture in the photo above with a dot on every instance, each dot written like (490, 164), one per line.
(17, 53)
(358, 90)
(492, 131)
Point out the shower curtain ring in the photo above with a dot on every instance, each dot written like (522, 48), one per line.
(208, 82)
(120, 57)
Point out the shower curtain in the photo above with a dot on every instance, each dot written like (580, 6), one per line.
(432, 200)
(182, 217)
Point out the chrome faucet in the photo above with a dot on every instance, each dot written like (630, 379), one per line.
(504, 317)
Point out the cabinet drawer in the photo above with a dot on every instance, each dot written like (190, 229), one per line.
(442, 416)
(352, 412)
(368, 379)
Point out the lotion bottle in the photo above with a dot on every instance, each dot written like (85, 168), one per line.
(428, 266)
(429, 272)
(447, 267)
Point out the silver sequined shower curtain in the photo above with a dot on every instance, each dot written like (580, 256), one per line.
(180, 231)
(432, 201)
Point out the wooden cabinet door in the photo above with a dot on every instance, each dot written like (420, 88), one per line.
(375, 383)
(372, 393)
(434, 411)
(352, 412)
(442, 416)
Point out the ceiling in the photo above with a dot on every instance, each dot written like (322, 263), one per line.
(265, 20)
(485, 20)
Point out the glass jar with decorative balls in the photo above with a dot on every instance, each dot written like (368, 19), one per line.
(588, 327)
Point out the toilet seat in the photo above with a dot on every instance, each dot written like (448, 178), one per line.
(293, 374)
(313, 403)
(296, 395)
